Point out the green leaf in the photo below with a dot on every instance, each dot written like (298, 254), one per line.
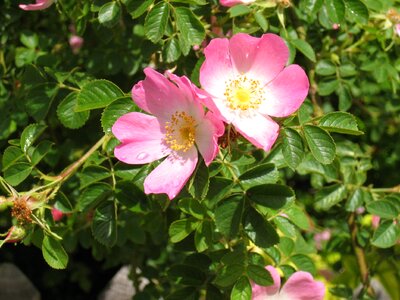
(186, 275)
(203, 236)
(242, 289)
(62, 203)
(261, 20)
(330, 196)
(229, 275)
(258, 175)
(40, 151)
(357, 199)
(136, 8)
(386, 235)
(304, 263)
(345, 99)
(273, 196)
(297, 216)
(97, 94)
(68, 116)
(357, 10)
(228, 215)
(39, 100)
(110, 14)
(292, 148)
(92, 174)
(194, 2)
(239, 10)
(304, 48)
(340, 122)
(180, 229)
(326, 88)
(259, 275)
(171, 51)
(325, 68)
(12, 155)
(199, 183)
(104, 224)
(17, 173)
(335, 10)
(259, 230)
(383, 209)
(156, 22)
(29, 39)
(91, 196)
(311, 7)
(54, 253)
(192, 207)
(115, 110)
(192, 31)
(320, 143)
(30, 134)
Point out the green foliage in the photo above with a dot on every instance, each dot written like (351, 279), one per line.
(333, 168)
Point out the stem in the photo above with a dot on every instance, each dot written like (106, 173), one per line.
(395, 189)
(360, 255)
(74, 167)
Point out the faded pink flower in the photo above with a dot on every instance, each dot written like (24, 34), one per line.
(397, 29)
(178, 127)
(39, 5)
(300, 286)
(375, 221)
(248, 82)
(230, 3)
(57, 214)
(76, 43)
(321, 237)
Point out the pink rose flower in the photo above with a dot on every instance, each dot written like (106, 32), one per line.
(397, 29)
(299, 286)
(39, 5)
(248, 82)
(76, 43)
(178, 127)
(57, 214)
(375, 221)
(320, 237)
(230, 3)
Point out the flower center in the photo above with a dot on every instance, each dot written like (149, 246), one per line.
(180, 131)
(243, 93)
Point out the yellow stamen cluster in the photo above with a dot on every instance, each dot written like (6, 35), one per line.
(243, 93)
(180, 131)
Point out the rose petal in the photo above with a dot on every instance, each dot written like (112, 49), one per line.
(217, 68)
(261, 292)
(172, 174)
(302, 286)
(136, 126)
(285, 94)
(260, 130)
(243, 48)
(271, 56)
(230, 3)
(39, 5)
(142, 140)
(207, 134)
(139, 96)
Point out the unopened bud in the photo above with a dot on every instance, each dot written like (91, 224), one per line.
(15, 234)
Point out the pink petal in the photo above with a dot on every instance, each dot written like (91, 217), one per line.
(269, 58)
(243, 48)
(230, 3)
(260, 130)
(261, 292)
(285, 94)
(139, 96)
(136, 126)
(217, 68)
(397, 29)
(302, 286)
(207, 134)
(161, 97)
(39, 5)
(172, 174)
(190, 92)
(142, 140)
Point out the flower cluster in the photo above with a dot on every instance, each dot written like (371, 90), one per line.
(245, 82)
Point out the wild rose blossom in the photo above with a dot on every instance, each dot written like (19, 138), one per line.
(178, 126)
(230, 3)
(300, 286)
(397, 29)
(39, 5)
(248, 82)
(76, 43)
(56, 214)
